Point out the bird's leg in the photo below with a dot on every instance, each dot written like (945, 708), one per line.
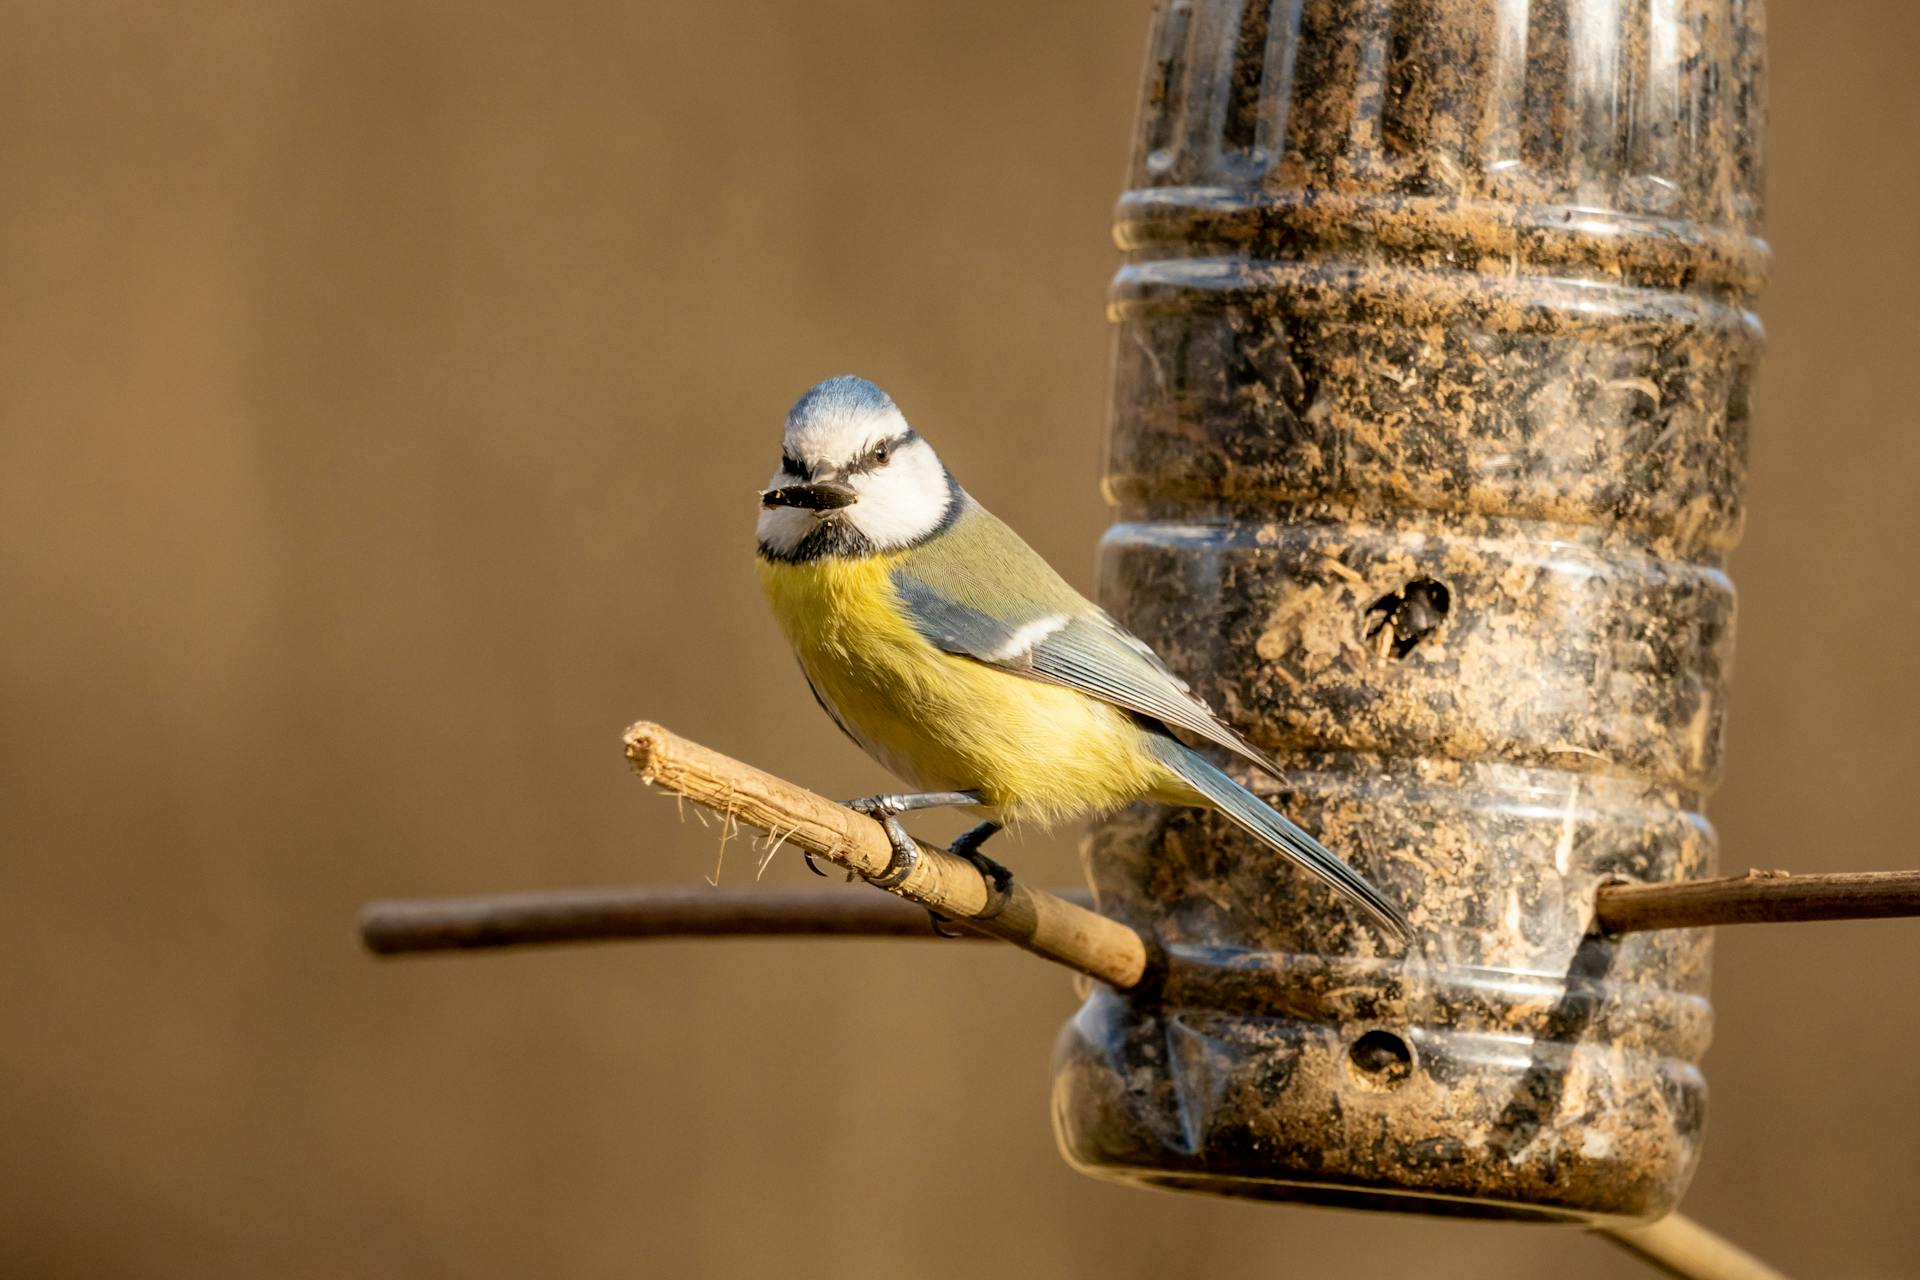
(908, 801)
(886, 810)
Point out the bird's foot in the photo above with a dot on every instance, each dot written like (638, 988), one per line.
(999, 882)
(906, 853)
(886, 810)
(967, 845)
(993, 872)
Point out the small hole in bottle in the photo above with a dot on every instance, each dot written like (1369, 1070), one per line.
(1400, 620)
(1381, 1059)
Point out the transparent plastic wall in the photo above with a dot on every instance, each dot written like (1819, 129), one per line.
(1428, 442)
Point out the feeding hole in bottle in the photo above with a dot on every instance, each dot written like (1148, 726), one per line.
(1380, 1059)
(1399, 620)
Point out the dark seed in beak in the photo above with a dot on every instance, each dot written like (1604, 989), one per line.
(821, 495)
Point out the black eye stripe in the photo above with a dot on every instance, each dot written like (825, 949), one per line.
(867, 462)
(872, 458)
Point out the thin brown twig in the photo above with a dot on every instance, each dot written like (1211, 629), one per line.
(1757, 898)
(645, 911)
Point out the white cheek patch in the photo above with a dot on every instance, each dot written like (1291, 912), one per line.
(903, 501)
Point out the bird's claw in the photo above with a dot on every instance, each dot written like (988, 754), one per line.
(937, 920)
(906, 853)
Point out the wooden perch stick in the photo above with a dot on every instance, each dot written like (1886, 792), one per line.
(1034, 919)
(1757, 899)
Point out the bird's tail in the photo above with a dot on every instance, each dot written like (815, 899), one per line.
(1272, 827)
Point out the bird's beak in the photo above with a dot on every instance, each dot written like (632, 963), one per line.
(820, 495)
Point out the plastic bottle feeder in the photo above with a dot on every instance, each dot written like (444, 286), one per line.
(1428, 443)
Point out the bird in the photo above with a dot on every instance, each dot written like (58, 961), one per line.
(953, 654)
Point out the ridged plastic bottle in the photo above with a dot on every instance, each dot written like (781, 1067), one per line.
(1428, 440)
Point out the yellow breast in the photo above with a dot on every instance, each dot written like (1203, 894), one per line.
(1038, 752)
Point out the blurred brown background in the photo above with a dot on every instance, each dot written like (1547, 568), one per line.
(384, 388)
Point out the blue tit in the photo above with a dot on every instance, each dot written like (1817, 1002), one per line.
(957, 658)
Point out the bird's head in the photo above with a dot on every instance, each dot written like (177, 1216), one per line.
(854, 478)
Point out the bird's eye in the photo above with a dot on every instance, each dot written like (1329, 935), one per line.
(792, 466)
(881, 452)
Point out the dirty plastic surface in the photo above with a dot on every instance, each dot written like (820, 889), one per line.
(1429, 431)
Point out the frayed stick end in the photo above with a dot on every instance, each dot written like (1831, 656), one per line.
(642, 740)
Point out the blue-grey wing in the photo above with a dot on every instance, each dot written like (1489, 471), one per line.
(1081, 648)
